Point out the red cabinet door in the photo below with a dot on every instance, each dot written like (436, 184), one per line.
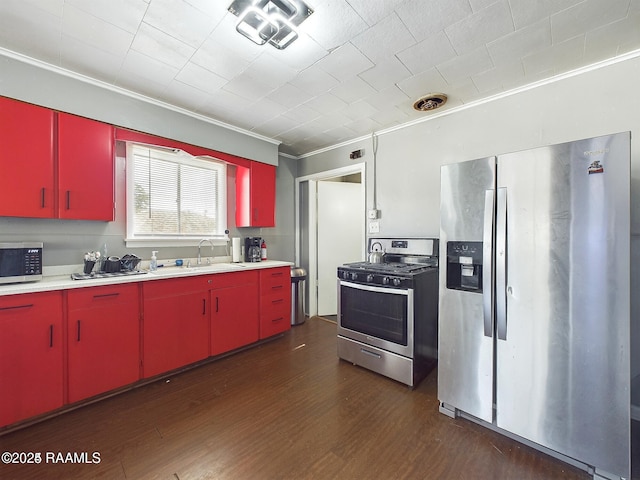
(176, 330)
(235, 320)
(103, 339)
(31, 355)
(85, 169)
(256, 195)
(26, 160)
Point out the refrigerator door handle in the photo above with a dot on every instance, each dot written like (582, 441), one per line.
(487, 263)
(501, 263)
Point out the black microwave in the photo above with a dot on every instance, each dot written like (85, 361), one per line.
(20, 262)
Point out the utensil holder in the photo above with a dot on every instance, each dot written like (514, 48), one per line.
(88, 266)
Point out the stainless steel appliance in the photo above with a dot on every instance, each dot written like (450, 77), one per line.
(252, 251)
(20, 262)
(388, 312)
(535, 298)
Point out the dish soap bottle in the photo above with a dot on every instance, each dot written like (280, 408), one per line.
(153, 265)
(263, 251)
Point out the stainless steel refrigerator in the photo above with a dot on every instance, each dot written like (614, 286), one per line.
(535, 299)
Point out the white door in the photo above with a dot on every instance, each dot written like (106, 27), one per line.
(340, 236)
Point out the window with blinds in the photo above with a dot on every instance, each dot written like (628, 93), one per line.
(173, 195)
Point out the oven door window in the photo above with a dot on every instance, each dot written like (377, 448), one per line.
(378, 314)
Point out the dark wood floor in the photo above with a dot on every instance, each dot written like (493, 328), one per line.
(288, 409)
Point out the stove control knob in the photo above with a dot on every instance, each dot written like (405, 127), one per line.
(354, 276)
(396, 282)
(345, 275)
(385, 280)
(370, 278)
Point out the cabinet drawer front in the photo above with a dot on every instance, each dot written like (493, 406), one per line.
(274, 320)
(106, 295)
(274, 280)
(281, 299)
(29, 302)
(234, 279)
(171, 287)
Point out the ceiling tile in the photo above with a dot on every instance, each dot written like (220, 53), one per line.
(557, 58)
(248, 87)
(424, 18)
(263, 111)
(525, 41)
(180, 20)
(125, 14)
(505, 75)
(430, 81)
(526, 12)
(481, 28)
(289, 96)
(269, 72)
(147, 67)
(612, 39)
(314, 81)
(344, 62)
(428, 53)
(464, 66)
(387, 97)
(95, 32)
(224, 102)
(88, 60)
(385, 38)
(156, 44)
(586, 15)
(333, 23)
(219, 59)
(326, 103)
(385, 74)
(200, 78)
(304, 52)
(186, 96)
(373, 12)
(390, 116)
(353, 89)
(28, 29)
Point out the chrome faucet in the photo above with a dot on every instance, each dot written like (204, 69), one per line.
(200, 245)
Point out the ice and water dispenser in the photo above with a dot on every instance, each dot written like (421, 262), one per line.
(464, 266)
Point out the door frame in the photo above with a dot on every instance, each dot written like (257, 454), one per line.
(312, 274)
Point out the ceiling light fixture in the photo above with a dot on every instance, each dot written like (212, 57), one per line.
(430, 102)
(270, 21)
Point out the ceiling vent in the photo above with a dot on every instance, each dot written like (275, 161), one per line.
(430, 102)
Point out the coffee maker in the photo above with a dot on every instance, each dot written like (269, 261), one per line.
(252, 251)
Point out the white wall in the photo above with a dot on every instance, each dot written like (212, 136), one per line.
(598, 102)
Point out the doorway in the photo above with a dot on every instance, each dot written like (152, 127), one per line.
(330, 231)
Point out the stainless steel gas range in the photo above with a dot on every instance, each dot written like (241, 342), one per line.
(388, 312)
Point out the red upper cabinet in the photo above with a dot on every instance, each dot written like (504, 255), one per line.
(26, 160)
(256, 195)
(86, 169)
(73, 181)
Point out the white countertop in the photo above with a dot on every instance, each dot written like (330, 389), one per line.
(63, 281)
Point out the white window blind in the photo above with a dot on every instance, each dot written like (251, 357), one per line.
(173, 195)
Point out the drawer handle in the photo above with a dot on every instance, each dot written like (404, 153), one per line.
(17, 307)
(50, 336)
(104, 295)
(78, 330)
(42, 197)
(276, 287)
(68, 199)
(280, 300)
(371, 354)
(279, 319)
(276, 274)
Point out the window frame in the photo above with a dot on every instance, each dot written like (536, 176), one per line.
(133, 240)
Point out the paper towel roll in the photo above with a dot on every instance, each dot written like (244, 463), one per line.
(236, 255)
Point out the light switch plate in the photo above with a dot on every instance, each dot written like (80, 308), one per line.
(372, 214)
(374, 227)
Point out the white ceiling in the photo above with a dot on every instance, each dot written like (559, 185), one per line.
(357, 67)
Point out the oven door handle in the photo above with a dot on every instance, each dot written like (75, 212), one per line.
(372, 288)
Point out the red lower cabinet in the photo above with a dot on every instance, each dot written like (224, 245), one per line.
(275, 301)
(235, 319)
(31, 355)
(103, 339)
(176, 324)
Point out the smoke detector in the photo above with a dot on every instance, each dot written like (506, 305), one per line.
(430, 102)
